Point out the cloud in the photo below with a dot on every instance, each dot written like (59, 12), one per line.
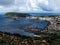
(7, 5)
(6, 2)
(54, 4)
(35, 5)
(8, 9)
(38, 5)
(43, 1)
(29, 5)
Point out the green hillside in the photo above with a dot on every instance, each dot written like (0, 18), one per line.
(15, 14)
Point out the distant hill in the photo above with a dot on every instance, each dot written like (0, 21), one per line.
(15, 14)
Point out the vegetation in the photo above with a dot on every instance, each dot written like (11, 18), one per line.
(16, 39)
(15, 14)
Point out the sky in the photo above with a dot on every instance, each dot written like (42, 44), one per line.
(30, 6)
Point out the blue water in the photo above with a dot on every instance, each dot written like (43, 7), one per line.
(13, 26)
(45, 14)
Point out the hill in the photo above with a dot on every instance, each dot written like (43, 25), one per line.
(15, 14)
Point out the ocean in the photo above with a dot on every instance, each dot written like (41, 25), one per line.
(10, 25)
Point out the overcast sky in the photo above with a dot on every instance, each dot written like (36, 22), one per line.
(29, 5)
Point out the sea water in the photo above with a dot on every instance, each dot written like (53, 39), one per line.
(10, 25)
